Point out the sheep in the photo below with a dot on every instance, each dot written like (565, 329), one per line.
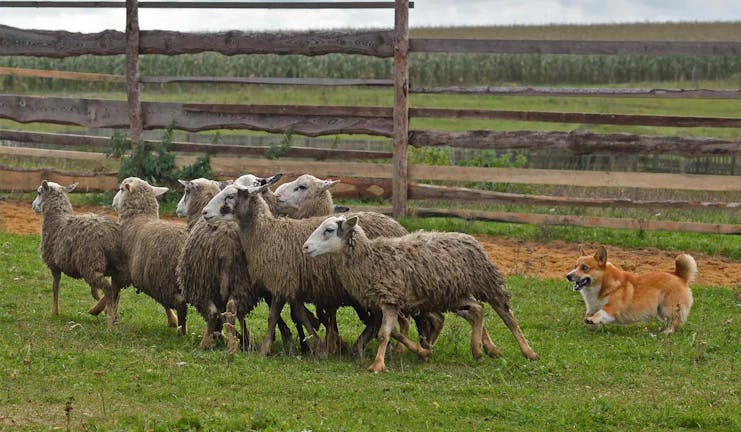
(152, 246)
(273, 249)
(86, 246)
(419, 272)
(212, 270)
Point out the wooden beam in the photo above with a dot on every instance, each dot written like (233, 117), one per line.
(202, 5)
(581, 47)
(400, 135)
(103, 143)
(61, 44)
(576, 142)
(190, 117)
(577, 221)
(589, 118)
(334, 82)
(585, 92)
(448, 194)
(136, 122)
(26, 180)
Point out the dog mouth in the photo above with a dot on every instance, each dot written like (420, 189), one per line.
(582, 283)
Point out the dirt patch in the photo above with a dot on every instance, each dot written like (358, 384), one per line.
(550, 260)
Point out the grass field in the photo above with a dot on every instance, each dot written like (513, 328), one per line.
(141, 376)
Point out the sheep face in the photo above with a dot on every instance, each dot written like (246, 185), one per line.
(133, 185)
(293, 195)
(223, 207)
(190, 187)
(328, 237)
(46, 190)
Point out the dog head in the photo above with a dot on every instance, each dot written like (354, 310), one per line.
(589, 269)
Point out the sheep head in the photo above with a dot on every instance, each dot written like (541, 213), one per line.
(47, 190)
(223, 206)
(293, 195)
(329, 236)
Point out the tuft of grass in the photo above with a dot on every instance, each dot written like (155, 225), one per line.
(72, 372)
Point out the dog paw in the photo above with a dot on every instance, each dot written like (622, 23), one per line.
(589, 320)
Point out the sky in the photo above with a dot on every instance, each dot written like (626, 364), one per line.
(425, 14)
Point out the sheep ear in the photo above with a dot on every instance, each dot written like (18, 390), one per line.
(601, 256)
(326, 184)
(158, 191)
(185, 183)
(45, 185)
(266, 182)
(71, 187)
(224, 184)
(351, 222)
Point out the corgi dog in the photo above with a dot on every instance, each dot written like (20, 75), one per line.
(614, 295)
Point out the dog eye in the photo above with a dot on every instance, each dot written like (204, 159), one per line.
(584, 268)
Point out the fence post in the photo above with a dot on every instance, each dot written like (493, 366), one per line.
(132, 71)
(400, 136)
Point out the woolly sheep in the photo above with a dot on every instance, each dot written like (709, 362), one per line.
(273, 249)
(419, 272)
(212, 269)
(152, 246)
(86, 246)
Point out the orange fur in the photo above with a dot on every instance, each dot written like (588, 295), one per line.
(614, 295)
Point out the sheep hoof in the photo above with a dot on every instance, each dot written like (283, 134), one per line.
(532, 355)
(377, 367)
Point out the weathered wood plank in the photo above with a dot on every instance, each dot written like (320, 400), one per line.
(136, 122)
(334, 82)
(579, 221)
(203, 5)
(60, 44)
(576, 142)
(576, 47)
(103, 143)
(444, 193)
(26, 180)
(589, 118)
(400, 137)
(114, 114)
(585, 92)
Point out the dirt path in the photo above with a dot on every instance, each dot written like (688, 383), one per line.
(551, 260)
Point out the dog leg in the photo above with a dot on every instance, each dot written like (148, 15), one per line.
(601, 317)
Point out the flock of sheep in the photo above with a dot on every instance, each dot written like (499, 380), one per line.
(244, 243)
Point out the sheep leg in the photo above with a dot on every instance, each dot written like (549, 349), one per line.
(436, 321)
(111, 301)
(404, 330)
(332, 336)
(182, 310)
(99, 307)
(55, 275)
(472, 312)
(246, 340)
(228, 318)
(172, 320)
(489, 347)
(276, 305)
(306, 322)
(388, 324)
(372, 322)
(505, 313)
(211, 317)
(299, 333)
(285, 333)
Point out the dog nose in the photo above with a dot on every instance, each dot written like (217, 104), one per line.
(569, 275)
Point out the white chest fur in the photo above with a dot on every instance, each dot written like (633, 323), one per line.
(593, 302)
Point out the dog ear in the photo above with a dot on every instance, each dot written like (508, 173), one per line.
(581, 251)
(601, 256)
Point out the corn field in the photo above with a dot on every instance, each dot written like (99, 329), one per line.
(427, 70)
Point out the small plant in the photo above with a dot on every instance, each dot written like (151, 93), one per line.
(277, 150)
(155, 162)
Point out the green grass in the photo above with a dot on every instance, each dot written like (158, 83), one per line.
(141, 376)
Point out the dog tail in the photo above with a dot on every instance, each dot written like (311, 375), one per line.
(686, 268)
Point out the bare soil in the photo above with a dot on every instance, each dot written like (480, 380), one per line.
(512, 256)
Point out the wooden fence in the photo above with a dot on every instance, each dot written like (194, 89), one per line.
(367, 179)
